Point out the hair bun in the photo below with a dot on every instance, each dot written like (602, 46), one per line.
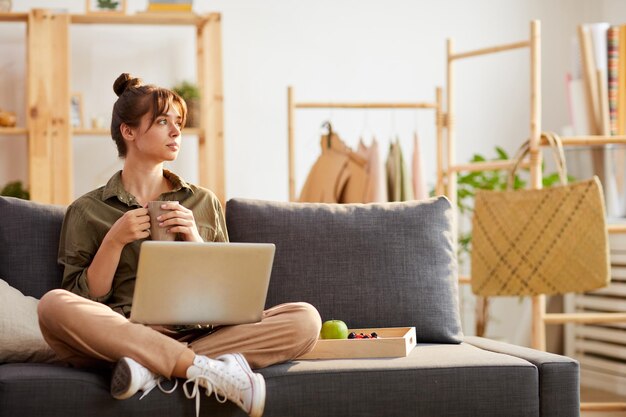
(124, 82)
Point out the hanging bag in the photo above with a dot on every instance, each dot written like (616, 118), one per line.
(547, 241)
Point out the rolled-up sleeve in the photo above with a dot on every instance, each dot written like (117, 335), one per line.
(77, 247)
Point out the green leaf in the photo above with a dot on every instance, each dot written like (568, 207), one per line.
(187, 90)
(502, 155)
(550, 180)
(15, 189)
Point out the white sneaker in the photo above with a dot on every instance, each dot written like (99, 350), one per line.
(129, 377)
(230, 378)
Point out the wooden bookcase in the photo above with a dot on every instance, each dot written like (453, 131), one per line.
(48, 82)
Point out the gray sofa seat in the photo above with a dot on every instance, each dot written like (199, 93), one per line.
(370, 265)
(440, 380)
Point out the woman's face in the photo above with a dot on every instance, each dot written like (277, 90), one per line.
(159, 141)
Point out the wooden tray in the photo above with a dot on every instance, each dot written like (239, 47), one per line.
(392, 342)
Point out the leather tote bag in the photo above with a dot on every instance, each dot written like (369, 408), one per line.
(547, 241)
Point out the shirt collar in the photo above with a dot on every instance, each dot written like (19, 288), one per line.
(115, 188)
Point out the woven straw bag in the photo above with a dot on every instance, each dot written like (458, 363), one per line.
(547, 241)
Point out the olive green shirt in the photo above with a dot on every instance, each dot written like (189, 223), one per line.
(89, 218)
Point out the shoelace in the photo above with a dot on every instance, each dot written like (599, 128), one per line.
(158, 384)
(229, 387)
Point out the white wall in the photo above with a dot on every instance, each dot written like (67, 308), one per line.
(350, 50)
(328, 50)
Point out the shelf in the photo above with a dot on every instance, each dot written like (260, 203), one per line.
(13, 131)
(145, 18)
(142, 18)
(107, 132)
(13, 17)
(88, 131)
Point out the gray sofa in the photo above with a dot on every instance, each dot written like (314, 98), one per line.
(379, 265)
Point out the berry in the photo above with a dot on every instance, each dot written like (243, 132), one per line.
(352, 335)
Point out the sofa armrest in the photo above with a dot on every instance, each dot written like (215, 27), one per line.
(559, 389)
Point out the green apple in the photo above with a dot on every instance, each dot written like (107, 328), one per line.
(334, 329)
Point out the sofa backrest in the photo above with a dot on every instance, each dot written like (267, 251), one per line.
(370, 265)
(29, 245)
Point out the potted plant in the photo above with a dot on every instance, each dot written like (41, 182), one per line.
(191, 94)
(15, 189)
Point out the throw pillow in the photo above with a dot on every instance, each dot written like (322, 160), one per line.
(370, 265)
(29, 238)
(20, 337)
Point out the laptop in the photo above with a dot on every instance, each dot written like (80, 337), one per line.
(187, 283)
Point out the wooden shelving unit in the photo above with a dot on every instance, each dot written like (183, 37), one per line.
(48, 129)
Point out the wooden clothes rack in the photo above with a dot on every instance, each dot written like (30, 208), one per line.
(449, 179)
(292, 106)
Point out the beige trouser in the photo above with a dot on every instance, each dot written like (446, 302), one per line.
(86, 333)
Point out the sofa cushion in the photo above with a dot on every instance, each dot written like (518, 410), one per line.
(370, 265)
(20, 336)
(29, 238)
(434, 380)
(32, 389)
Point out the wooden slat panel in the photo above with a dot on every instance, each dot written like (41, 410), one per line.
(601, 334)
(618, 242)
(601, 304)
(618, 258)
(618, 272)
(606, 349)
(616, 288)
(603, 381)
(602, 365)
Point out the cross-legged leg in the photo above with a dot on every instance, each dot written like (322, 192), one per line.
(86, 333)
(285, 332)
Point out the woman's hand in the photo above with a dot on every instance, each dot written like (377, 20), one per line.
(179, 219)
(133, 225)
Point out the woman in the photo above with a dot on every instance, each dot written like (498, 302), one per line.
(86, 322)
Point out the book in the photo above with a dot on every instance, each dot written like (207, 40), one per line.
(170, 5)
(621, 82)
(612, 41)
